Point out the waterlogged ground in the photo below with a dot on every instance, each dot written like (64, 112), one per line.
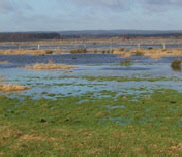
(102, 108)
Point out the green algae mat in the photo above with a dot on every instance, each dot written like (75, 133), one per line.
(86, 125)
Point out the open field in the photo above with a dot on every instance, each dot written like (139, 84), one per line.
(123, 104)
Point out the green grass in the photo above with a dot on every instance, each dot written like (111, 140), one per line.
(110, 126)
(127, 79)
(125, 63)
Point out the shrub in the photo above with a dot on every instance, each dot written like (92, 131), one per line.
(122, 49)
(48, 52)
(138, 53)
(125, 63)
(78, 51)
(176, 64)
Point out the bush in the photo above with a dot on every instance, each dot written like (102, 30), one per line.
(48, 52)
(122, 49)
(125, 63)
(176, 64)
(139, 53)
(78, 51)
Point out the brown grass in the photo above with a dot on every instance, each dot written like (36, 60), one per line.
(50, 66)
(153, 53)
(4, 62)
(12, 88)
(22, 52)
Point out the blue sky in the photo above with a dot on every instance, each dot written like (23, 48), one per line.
(58, 15)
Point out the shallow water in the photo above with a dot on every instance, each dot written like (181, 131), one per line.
(45, 82)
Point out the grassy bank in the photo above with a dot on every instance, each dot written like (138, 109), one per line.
(111, 126)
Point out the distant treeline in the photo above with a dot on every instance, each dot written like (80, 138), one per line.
(21, 37)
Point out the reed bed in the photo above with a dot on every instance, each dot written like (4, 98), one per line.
(50, 66)
(4, 62)
(152, 53)
(22, 52)
(12, 88)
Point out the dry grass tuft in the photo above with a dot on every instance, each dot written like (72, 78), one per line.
(50, 66)
(127, 55)
(152, 53)
(22, 52)
(12, 88)
(4, 62)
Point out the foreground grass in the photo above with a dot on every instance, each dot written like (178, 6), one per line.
(109, 126)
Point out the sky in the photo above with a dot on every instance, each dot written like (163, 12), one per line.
(62, 15)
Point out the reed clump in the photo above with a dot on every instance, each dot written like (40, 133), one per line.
(23, 52)
(48, 52)
(125, 63)
(153, 53)
(12, 88)
(4, 62)
(176, 64)
(50, 66)
(78, 51)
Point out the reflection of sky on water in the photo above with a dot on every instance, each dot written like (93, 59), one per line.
(53, 82)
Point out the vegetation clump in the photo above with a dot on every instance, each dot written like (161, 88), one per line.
(125, 63)
(78, 51)
(50, 66)
(48, 52)
(138, 53)
(152, 53)
(23, 52)
(4, 62)
(12, 88)
(176, 65)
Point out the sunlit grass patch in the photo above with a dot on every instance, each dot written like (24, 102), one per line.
(4, 62)
(13, 88)
(50, 66)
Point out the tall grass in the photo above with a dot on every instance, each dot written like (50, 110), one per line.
(78, 51)
(50, 66)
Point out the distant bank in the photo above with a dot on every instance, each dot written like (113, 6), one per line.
(37, 36)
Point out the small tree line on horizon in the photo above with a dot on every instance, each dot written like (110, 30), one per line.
(21, 37)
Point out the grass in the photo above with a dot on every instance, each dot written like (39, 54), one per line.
(78, 51)
(125, 63)
(23, 52)
(129, 79)
(152, 53)
(50, 66)
(12, 88)
(176, 64)
(98, 127)
(48, 52)
(138, 53)
(4, 62)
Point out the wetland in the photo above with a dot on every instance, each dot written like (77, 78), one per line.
(100, 108)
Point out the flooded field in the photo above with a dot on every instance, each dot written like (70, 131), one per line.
(93, 109)
(94, 73)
